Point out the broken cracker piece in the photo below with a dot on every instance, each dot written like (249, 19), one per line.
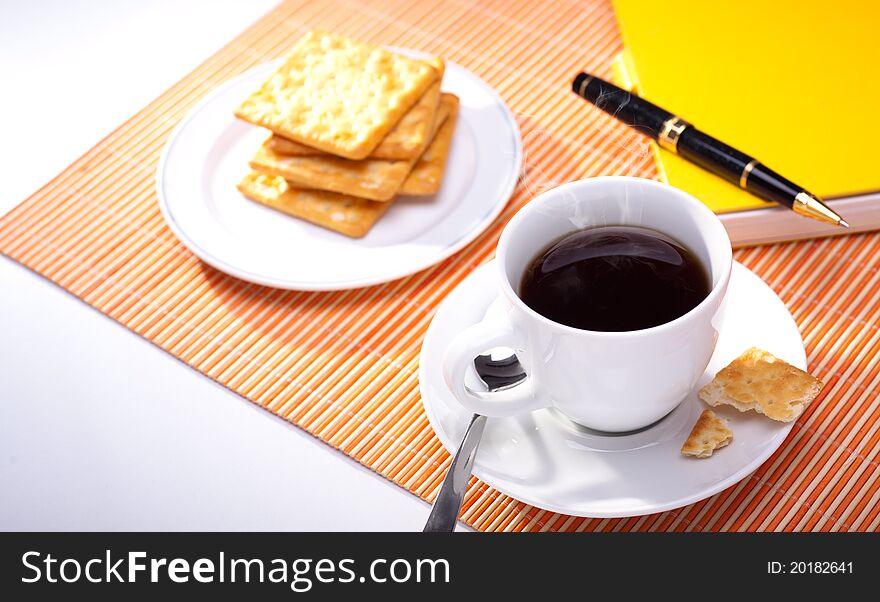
(709, 433)
(757, 380)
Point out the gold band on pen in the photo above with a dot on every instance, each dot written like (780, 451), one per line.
(744, 176)
(670, 132)
(584, 84)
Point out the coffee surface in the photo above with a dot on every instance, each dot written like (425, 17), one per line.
(614, 278)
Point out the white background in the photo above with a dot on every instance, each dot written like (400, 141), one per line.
(99, 429)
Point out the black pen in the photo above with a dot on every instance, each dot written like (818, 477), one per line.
(678, 136)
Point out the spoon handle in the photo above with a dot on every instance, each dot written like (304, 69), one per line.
(444, 514)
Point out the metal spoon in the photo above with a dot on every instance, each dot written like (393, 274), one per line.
(498, 375)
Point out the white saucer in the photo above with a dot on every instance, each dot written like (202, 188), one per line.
(208, 154)
(546, 461)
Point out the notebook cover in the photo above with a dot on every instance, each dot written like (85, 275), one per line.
(790, 83)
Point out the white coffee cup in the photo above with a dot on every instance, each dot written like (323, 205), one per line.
(609, 381)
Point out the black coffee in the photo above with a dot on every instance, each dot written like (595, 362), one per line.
(614, 278)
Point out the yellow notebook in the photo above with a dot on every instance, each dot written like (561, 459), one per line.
(794, 84)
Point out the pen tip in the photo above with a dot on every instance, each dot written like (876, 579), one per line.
(843, 223)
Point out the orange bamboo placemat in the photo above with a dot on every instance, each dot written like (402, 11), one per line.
(343, 365)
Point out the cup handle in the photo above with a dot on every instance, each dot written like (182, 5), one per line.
(459, 359)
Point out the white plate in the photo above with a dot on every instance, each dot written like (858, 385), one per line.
(209, 152)
(546, 461)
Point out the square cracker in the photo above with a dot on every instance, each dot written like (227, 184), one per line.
(709, 433)
(338, 95)
(373, 179)
(427, 174)
(759, 381)
(406, 140)
(342, 213)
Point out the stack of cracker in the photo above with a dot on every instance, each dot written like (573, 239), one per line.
(352, 127)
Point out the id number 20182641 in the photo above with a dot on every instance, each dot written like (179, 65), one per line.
(809, 567)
